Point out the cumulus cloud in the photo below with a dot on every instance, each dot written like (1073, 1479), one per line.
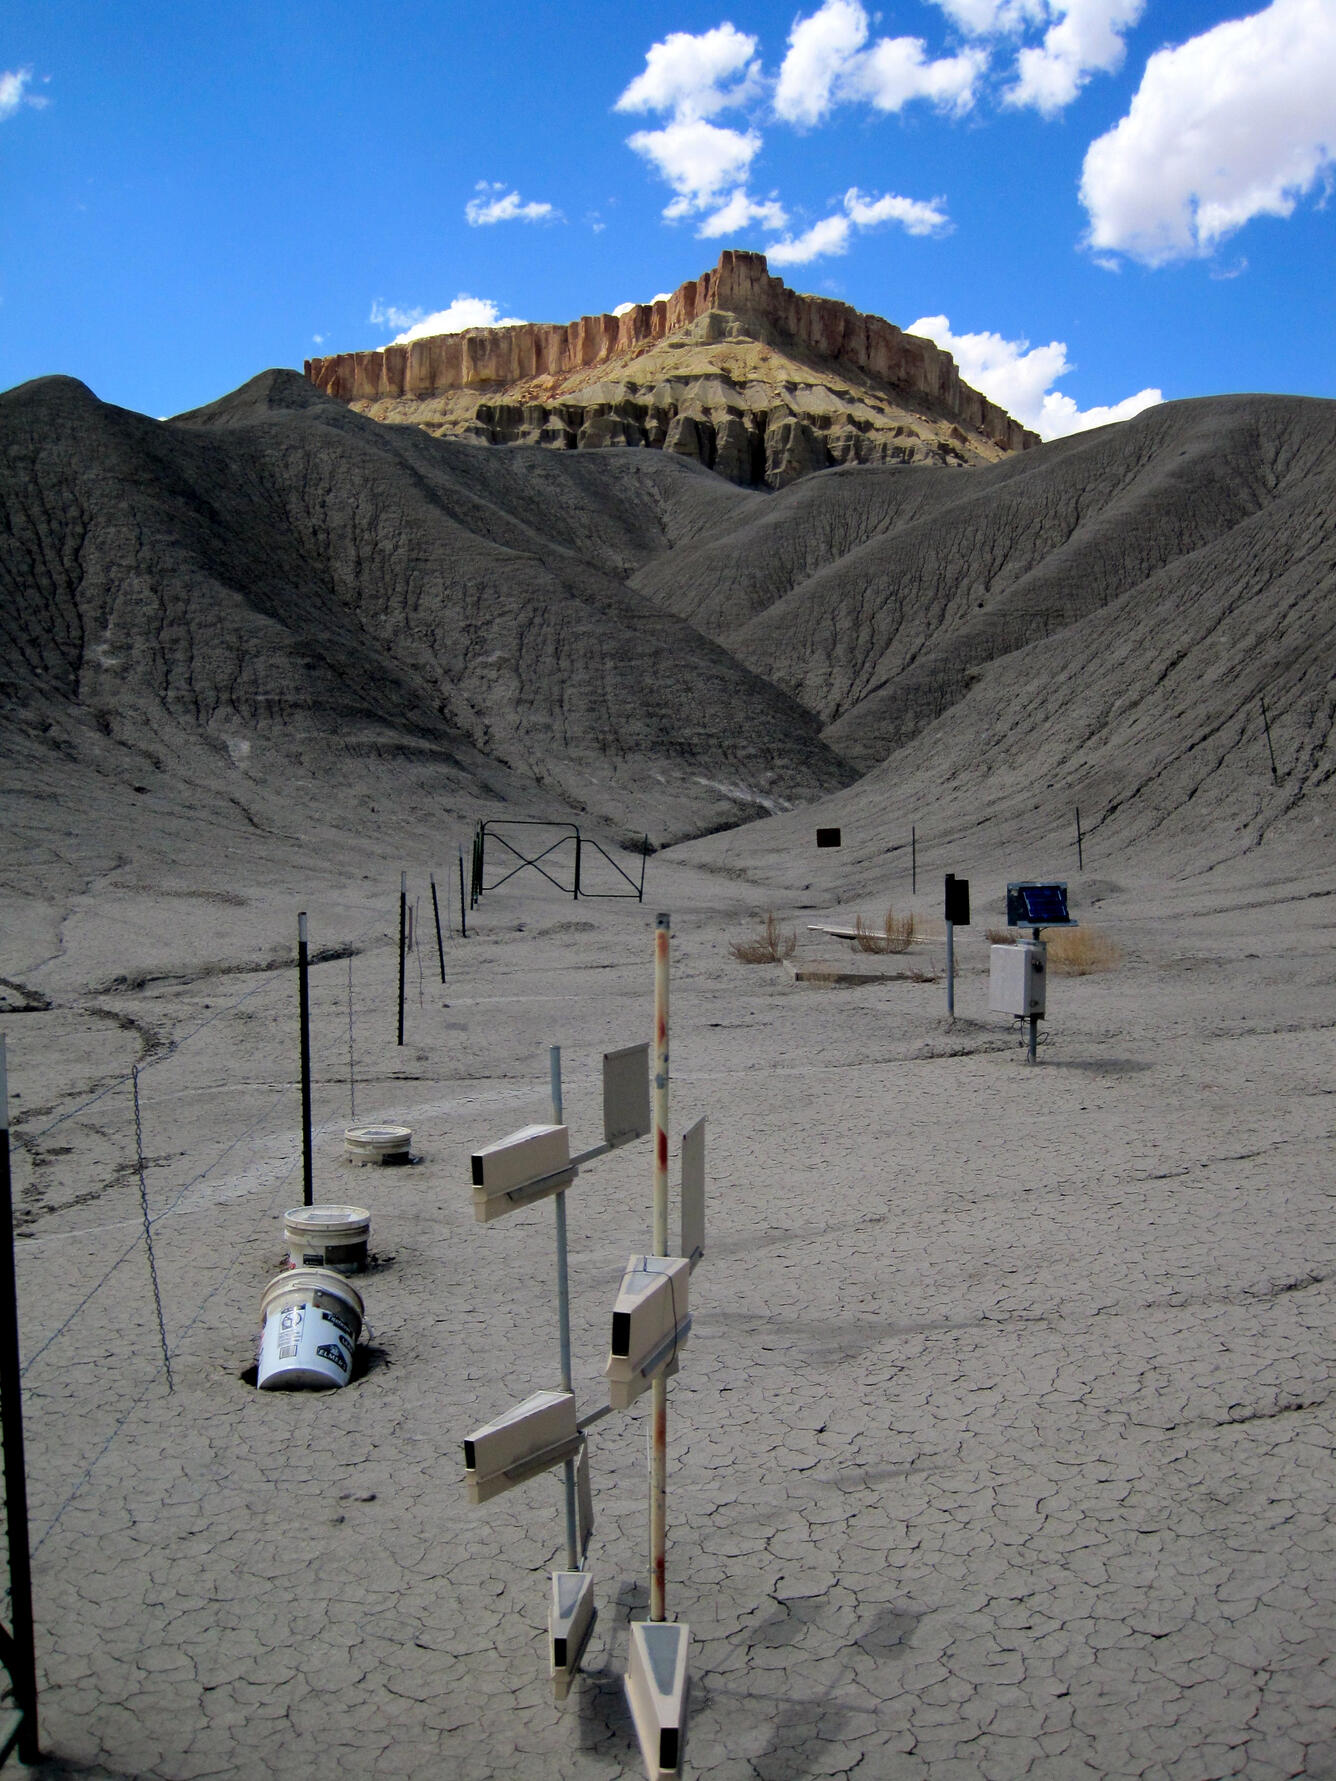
(699, 160)
(1085, 38)
(833, 234)
(695, 76)
(465, 312)
(494, 204)
(827, 64)
(993, 18)
(739, 212)
(1020, 378)
(1237, 123)
(14, 85)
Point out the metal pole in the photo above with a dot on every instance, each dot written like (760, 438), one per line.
(658, 1454)
(304, 1013)
(577, 865)
(1032, 1050)
(403, 923)
(644, 860)
(436, 911)
(352, 1073)
(463, 913)
(1275, 777)
(913, 855)
(23, 1670)
(564, 1318)
(1080, 856)
(950, 969)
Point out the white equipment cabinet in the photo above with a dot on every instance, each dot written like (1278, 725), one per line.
(1017, 976)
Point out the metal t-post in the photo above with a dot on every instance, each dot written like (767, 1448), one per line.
(21, 1660)
(436, 911)
(564, 1318)
(403, 924)
(658, 1454)
(304, 1016)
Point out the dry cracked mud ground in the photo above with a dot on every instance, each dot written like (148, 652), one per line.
(1002, 1446)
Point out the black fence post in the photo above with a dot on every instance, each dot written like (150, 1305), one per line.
(436, 911)
(21, 1657)
(403, 925)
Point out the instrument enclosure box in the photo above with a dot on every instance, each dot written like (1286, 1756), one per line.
(1017, 976)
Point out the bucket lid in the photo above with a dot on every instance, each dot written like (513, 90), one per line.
(379, 1137)
(299, 1283)
(329, 1221)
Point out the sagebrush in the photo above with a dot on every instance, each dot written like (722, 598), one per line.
(769, 947)
(895, 935)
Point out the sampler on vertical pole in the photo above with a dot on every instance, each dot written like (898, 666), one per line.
(1017, 976)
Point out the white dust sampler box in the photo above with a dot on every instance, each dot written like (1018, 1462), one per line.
(1016, 978)
(650, 1321)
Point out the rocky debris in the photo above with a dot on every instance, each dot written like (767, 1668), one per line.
(735, 371)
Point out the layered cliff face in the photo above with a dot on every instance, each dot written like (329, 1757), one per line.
(734, 371)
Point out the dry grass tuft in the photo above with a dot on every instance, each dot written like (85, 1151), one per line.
(769, 947)
(897, 934)
(1077, 952)
(1072, 952)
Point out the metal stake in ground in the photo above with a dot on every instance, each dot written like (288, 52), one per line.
(658, 1463)
(564, 1317)
(463, 912)
(436, 911)
(304, 1018)
(403, 927)
(913, 858)
(1080, 852)
(20, 1658)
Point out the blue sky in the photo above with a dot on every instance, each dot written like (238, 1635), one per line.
(1090, 201)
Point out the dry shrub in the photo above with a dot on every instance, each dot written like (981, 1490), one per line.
(769, 947)
(896, 935)
(1001, 936)
(1077, 952)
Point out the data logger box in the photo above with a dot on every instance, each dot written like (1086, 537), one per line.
(650, 1322)
(1016, 978)
(534, 1154)
(527, 1439)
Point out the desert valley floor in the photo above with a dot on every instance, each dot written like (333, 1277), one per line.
(1002, 1445)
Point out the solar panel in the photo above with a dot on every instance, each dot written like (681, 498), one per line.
(1038, 906)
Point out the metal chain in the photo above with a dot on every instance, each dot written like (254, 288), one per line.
(148, 1230)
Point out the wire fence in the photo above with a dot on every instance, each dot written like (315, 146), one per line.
(106, 1140)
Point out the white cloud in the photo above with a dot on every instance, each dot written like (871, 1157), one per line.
(502, 206)
(1085, 38)
(896, 70)
(821, 49)
(1020, 378)
(828, 237)
(827, 65)
(699, 160)
(14, 84)
(688, 75)
(739, 212)
(1237, 123)
(833, 234)
(993, 18)
(465, 312)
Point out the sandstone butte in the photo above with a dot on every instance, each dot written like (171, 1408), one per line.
(734, 370)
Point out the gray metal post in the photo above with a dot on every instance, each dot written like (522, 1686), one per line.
(1032, 1049)
(950, 969)
(564, 1319)
(658, 1434)
(403, 931)
(436, 911)
(304, 1015)
(21, 1661)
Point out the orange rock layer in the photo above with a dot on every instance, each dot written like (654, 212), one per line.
(493, 359)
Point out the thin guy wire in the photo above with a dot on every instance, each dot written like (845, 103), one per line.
(148, 1232)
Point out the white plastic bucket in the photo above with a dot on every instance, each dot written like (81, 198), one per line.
(377, 1144)
(328, 1237)
(311, 1320)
